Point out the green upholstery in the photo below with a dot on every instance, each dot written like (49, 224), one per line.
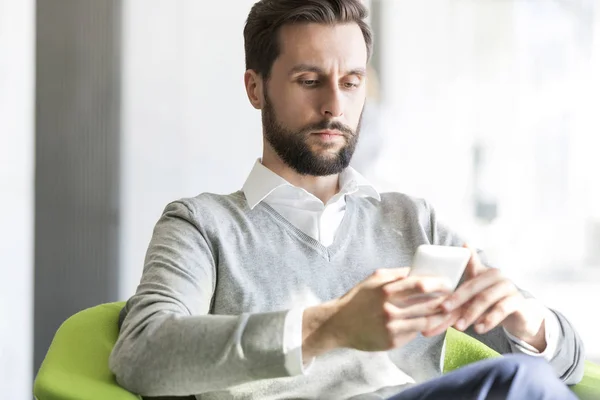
(462, 349)
(76, 366)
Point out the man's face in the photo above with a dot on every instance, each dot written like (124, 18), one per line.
(315, 96)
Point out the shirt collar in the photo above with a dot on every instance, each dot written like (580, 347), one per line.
(262, 182)
(352, 182)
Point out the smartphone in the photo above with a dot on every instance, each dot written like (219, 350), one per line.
(445, 261)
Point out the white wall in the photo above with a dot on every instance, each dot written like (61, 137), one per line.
(17, 25)
(187, 124)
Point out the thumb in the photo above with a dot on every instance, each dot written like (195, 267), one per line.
(386, 275)
(474, 265)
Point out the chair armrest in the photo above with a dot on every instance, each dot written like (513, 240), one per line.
(462, 349)
(76, 364)
(589, 387)
(57, 385)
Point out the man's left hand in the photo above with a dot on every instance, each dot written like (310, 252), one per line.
(487, 299)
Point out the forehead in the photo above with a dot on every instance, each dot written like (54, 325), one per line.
(322, 44)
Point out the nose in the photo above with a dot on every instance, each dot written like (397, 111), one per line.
(332, 106)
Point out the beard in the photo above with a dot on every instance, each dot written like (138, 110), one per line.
(295, 151)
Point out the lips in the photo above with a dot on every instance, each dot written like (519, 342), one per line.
(330, 133)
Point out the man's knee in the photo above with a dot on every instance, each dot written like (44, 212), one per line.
(522, 376)
(522, 364)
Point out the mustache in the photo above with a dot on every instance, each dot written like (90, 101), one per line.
(329, 125)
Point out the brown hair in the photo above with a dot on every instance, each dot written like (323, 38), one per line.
(268, 16)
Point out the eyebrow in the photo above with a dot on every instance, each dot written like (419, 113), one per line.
(312, 68)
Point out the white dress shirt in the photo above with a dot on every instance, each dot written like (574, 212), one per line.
(321, 222)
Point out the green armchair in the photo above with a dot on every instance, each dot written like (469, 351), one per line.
(462, 349)
(76, 365)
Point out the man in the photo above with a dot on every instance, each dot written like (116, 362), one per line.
(291, 287)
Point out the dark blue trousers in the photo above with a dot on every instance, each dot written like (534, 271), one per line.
(512, 377)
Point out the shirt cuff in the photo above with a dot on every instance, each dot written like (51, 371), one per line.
(551, 328)
(292, 343)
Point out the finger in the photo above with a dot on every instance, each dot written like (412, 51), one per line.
(454, 316)
(384, 275)
(419, 324)
(474, 266)
(498, 313)
(418, 309)
(470, 268)
(471, 288)
(415, 285)
(484, 301)
(408, 300)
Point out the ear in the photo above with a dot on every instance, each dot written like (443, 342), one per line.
(254, 88)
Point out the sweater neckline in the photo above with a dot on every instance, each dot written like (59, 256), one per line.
(341, 236)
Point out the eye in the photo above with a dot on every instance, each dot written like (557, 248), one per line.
(309, 82)
(351, 85)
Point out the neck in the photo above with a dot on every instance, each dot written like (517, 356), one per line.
(322, 187)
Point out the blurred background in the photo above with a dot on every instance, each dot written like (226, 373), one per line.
(490, 109)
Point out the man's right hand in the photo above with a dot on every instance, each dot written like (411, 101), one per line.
(376, 315)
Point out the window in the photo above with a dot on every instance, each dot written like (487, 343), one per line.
(491, 110)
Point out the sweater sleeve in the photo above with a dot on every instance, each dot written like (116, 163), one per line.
(568, 358)
(168, 343)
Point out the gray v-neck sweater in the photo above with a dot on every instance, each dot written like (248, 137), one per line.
(208, 315)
